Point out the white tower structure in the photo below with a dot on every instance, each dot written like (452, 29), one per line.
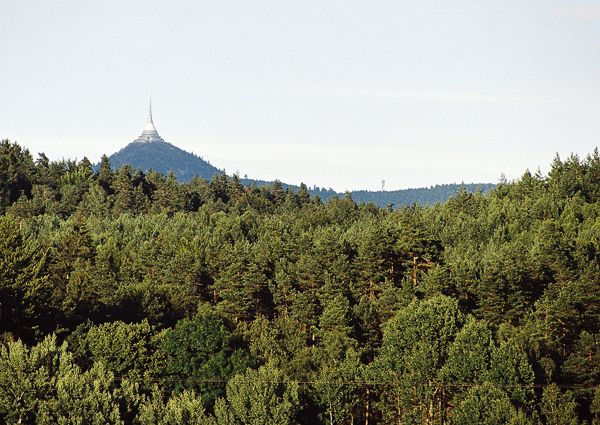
(149, 134)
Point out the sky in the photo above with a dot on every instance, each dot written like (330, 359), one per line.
(340, 94)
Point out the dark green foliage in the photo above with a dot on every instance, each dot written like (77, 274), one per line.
(241, 286)
(200, 354)
(164, 158)
(16, 173)
(217, 302)
(421, 196)
(24, 287)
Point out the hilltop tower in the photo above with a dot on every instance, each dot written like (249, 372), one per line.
(149, 134)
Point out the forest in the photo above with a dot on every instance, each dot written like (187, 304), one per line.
(130, 298)
(165, 157)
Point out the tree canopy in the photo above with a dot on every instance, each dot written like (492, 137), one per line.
(129, 297)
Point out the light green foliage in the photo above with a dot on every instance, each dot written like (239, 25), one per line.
(484, 405)
(185, 408)
(90, 397)
(504, 292)
(259, 397)
(339, 389)
(558, 408)
(416, 344)
(510, 369)
(335, 330)
(565, 310)
(126, 349)
(42, 385)
(168, 195)
(28, 378)
(282, 342)
(469, 355)
(595, 408)
(95, 202)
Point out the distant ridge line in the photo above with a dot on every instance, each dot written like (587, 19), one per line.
(164, 157)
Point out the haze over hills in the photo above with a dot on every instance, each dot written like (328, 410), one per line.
(150, 152)
(164, 157)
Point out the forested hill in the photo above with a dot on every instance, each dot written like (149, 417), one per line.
(130, 297)
(421, 196)
(384, 199)
(396, 198)
(165, 158)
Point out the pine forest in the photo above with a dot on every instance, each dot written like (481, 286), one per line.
(132, 298)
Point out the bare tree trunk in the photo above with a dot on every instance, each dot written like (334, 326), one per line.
(330, 413)
(430, 412)
(367, 406)
(415, 271)
(443, 406)
(398, 410)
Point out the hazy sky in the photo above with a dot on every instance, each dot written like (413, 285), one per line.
(340, 94)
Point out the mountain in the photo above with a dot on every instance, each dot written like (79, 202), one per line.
(164, 157)
(422, 196)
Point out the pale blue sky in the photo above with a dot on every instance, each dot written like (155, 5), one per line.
(339, 94)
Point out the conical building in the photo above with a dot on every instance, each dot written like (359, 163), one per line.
(149, 134)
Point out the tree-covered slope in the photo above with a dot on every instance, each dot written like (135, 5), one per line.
(164, 158)
(130, 297)
(419, 196)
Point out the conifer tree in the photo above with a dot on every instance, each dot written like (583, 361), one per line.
(24, 288)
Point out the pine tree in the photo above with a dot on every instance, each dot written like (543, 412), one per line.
(24, 288)
(259, 397)
(16, 172)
